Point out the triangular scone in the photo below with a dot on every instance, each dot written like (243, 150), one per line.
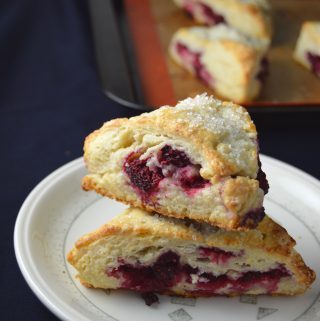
(198, 160)
(153, 253)
(251, 17)
(307, 51)
(233, 65)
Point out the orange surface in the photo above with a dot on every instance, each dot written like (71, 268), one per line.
(156, 84)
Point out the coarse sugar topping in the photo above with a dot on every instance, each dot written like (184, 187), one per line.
(229, 125)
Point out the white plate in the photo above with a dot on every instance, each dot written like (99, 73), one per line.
(58, 212)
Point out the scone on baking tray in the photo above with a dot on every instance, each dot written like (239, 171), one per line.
(152, 253)
(251, 17)
(307, 50)
(198, 160)
(233, 65)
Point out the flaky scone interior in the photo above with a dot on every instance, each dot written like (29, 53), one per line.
(198, 160)
(152, 253)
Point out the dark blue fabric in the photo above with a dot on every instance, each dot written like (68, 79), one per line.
(50, 99)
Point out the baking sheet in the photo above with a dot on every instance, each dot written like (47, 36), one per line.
(153, 22)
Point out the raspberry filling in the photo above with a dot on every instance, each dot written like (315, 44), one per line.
(252, 218)
(169, 156)
(262, 179)
(263, 71)
(217, 255)
(269, 280)
(314, 61)
(193, 59)
(168, 271)
(210, 16)
(142, 178)
(146, 174)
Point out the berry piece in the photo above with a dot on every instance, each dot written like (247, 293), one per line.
(141, 176)
(314, 62)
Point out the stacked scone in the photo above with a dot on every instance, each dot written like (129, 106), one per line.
(197, 226)
(230, 55)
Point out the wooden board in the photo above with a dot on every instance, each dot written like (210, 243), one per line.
(153, 23)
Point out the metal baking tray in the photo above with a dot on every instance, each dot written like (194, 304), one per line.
(131, 39)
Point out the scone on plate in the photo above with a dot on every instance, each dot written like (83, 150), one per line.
(251, 17)
(307, 50)
(198, 160)
(233, 65)
(151, 253)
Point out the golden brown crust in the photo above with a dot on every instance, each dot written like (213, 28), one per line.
(228, 224)
(312, 28)
(269, 237)
(176, 123)
(195, 294)
(247, 57)
(303, 272)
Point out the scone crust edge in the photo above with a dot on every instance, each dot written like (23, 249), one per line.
(234, 223)
(201, 138)
(252, 239)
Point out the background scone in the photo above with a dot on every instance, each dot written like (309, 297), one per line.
(149, 253)
(233, 65)
(251, 17)
(307, 50)
(197, 160)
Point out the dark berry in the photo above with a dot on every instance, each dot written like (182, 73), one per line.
(162, 275)
(168, 271)
(169, 156)
(213, 18)
(262, 179)
(141, 176)
(149, 298)
(193, 58)
(195, 181)
(253, 217)
(264, 70)
(315, 62)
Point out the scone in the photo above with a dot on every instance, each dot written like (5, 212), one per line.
(251, 17)
(307, 50)
(152, 253)
(197, 160)
(234, 66)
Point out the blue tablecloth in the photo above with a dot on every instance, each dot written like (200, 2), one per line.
(50, 99)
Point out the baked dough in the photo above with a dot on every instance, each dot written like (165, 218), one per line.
(151, 253)
(251, 17)
(198, 160)
(233, 65)
(307, 50)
